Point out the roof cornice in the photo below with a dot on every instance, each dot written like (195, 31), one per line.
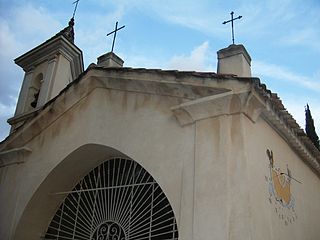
(47, 50)
(199, 86)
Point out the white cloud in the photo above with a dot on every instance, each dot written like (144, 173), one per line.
(272, 19)
(187, 13)
(8, 42)
(34, 21)
(27, 27)
(196, 61)
(307, 37)
(6, 110)
(283, 74)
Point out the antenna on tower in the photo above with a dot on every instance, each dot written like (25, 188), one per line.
(75, 7)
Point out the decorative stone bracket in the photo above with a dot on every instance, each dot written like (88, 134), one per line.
(13, 156)
(229, 103)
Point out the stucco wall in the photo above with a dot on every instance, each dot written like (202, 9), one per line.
(270, 220)
(221, 192)
(214, 168)
(140, 126)
(62, 76)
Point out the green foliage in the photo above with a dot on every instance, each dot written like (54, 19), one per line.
(310, 129)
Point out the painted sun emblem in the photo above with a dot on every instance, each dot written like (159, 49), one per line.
(280, 183)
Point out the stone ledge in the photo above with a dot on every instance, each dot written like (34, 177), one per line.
(228, 103)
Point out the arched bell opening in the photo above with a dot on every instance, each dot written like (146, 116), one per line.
(34, 91)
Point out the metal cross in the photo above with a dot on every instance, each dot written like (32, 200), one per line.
(75, 8)
(115, 34)
(231, 20)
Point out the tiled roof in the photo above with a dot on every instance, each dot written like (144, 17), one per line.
(294, 133)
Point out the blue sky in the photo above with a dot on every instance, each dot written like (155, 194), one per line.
(282, 38)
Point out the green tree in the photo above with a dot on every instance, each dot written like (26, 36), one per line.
(310, 129)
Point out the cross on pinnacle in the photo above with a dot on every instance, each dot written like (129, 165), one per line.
(75, 7)
(231, 20)
(115, 34)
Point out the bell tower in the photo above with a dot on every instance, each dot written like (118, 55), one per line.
(48, 68)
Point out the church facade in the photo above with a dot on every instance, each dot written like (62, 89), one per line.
(123, 153)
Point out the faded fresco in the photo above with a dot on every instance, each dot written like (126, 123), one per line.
(280, 195)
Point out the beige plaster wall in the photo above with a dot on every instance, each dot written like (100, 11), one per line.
(140, 126)
(213, 170)
(267, 222)
(62, 76)
(221, 190)
(236, 64)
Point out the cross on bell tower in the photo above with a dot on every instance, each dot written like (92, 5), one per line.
(110, 59)
(232, 28)
(114, 32)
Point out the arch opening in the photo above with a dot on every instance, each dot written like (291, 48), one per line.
(118, 199)
(34, 90)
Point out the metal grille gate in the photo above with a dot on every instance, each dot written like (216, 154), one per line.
(118, 200)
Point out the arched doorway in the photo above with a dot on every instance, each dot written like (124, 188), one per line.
(117, 200)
